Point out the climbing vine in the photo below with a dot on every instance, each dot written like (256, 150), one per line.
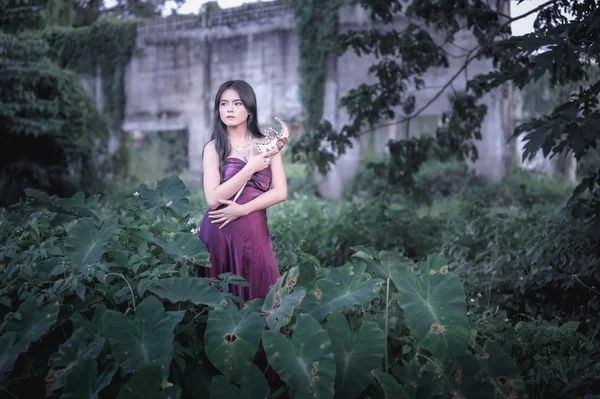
(316, 28)
(106, 46)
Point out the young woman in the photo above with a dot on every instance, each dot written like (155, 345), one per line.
(236, 233)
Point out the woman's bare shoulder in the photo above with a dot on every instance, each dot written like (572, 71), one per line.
(211, 147)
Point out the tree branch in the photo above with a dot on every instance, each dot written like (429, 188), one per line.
(468, 60)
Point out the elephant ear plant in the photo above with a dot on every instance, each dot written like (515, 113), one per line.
(110, 295)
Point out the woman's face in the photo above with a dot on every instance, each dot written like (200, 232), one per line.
(231, 109)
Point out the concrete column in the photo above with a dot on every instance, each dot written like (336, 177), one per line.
(332, 184)
(198, 116)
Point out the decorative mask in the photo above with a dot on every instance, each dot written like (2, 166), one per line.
(273, 141)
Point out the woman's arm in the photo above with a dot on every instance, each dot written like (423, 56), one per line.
(278, 191)
(214, 191)
(276, 194)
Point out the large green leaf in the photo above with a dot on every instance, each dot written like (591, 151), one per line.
(340, 290)
(83, 383)
(170, 193)
(92, 327)
(434, 305)
(31, 322)
(146, 384)
(356, 354)
(424, 379)
(282, 300)
(182, 247)
(146, 340)
(86, 244)
(63, 361)
(305, 361)
(253, 386)
(390, 386)
(66, 208)
(502, 371)
(9, 352)
(193, 289)
(231, 338)
(467, 378)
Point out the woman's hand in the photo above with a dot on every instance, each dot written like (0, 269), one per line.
(259, 162)
(231, 212)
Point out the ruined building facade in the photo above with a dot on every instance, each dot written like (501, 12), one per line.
(179, 62)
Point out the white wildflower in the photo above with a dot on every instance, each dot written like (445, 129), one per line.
(136, 194)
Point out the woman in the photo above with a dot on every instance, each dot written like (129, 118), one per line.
(236, 233)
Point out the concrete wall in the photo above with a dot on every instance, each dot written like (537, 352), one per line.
(179, 63)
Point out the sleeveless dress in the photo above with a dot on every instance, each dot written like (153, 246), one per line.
(244, 246)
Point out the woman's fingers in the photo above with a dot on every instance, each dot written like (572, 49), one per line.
(224, 224)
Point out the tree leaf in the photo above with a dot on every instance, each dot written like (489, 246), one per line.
(194, 289)
(254, 385)
(390, 386)
(146, 340)
(231, 338)
(146, 384)
(434, 305)
(306, 361)
(82, 382)
(170, 193)
(340, 290)
(282, 300)
(502, 371)
(356, 354)
(62, 362)
(34, 322)
(9, 352)
(182, 247)
(86, 244)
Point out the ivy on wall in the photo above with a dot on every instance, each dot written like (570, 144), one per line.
(107, 46)
(316, 28)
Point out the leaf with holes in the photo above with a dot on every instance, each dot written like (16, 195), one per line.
(231, 338)
(83, 381)
(86, 244)
(340, 290)
(62, 362)
(170, 193)
(145, 340)
(502, 371)
(423, 378)
(356, 353)
(33, 322)
(147, 384)
(468, 380)
(254, 386)
(282, 300)
(434, 306)
(305, 361)
(196, 290)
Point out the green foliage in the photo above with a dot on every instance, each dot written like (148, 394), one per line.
(133, 320)
(106, 46)
(403, 59)
(316, 27)
(16, 16)
(50, 125)
(60, 13)
(521, 260)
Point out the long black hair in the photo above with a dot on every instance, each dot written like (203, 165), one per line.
(219, 133)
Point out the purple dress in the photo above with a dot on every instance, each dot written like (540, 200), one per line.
(244, 246)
